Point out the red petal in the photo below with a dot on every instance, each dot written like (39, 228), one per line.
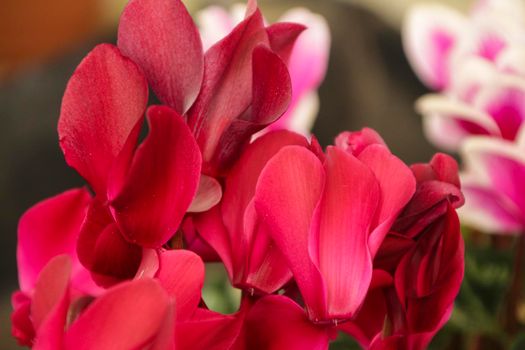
(282, 37)
(50, 302)
(103, 250)
(397, 185)
(103, 101)
(49, 228)
(21, 325)
(126, 317)
(276, 322)
(227, 85)
(288, 191)
(271, 96)
(181, 274)
(348, 207)
(160, 36)
(211, 228)
(242, 178)
(161, 182)
(208, 330)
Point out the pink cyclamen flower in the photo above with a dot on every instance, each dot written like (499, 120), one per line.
(234, 229)
(329, 217)
(476, 64)
(432, 232)
(493, 184)
(415, 302)
(307, 60)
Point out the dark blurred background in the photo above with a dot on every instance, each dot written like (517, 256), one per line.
(369, 83)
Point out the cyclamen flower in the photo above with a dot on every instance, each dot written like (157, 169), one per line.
(481, 108)
(358, 229)
(307, 60)
(476, 64)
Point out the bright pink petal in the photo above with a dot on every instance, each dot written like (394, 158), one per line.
(21, 324)
(504, 100)
(181, 274)
(397, 185)
(227, 83)
(211, 229)
(208, 330)
(49, 228)
(287, 193)
(104, 99)
(160, 36)
(498, 165)
(266, 269)
(128, 316)
(430, 33)
(349, 205)
(276, 322)
(161, 182)
(51, 287)
(241, 181)
(489, 210)
(354, 142)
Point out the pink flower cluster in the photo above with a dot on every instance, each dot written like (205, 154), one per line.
(476, 63)
(319, 241)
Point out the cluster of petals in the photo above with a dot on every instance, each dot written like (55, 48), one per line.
(475, 64)
(348, 239)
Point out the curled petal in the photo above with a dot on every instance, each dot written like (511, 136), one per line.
(161, 181)
(227, 84)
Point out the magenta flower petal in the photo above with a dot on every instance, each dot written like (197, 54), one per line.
(298, 173)
(346, 212)
(138, 311)
(181, 274)
(209, 330)
(430, 33)
(160, 36)
(103, 250)
(167, 167)
(227, 84)
(397, 185)
(104, 100)
(50, 228)
(282, 36)
(51, 298)
(276, 322)
(489, 210)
